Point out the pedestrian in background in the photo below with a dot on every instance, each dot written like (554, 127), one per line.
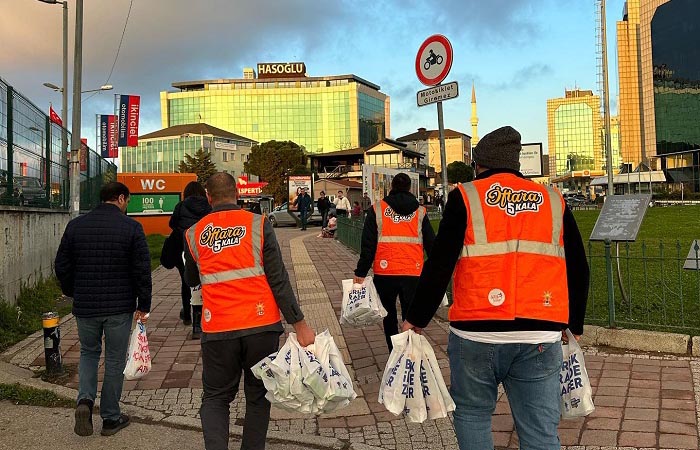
(366, 203)
(103, 262)
(342, 205)
(324, 205)
(234, 255)
(189, 211)
(395, 234)
(521, 278)
(356, 210)
(305, 206)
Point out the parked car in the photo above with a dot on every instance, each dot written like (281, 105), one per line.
(280, 217)
(31, 190)
(572, 199)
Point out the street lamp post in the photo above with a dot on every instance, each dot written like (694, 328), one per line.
(75, 125)
(64, 92)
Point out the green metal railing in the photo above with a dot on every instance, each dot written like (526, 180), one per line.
(644, 285)
(349, 232)
(632, 285)
(34, 168)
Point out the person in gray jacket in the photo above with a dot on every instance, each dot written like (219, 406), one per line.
(227, 354)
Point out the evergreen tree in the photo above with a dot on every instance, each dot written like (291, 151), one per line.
(459, 172)
(199, 164)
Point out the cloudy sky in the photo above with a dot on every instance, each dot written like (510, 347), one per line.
(518, 53)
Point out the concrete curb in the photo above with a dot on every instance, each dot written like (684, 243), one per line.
(640, 340)
(358, 446)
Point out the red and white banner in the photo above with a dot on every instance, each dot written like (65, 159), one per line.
(55, 118)
(248, 189)
(83, 154)
(129, 106)
(112, 130)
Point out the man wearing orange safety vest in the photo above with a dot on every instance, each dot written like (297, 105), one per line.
(520, 278)
(234, 255)
(395, 233)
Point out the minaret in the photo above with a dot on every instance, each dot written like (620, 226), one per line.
(474, 120)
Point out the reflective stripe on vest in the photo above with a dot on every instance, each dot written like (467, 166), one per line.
(482, 247)
(237, 274)
(398, 239)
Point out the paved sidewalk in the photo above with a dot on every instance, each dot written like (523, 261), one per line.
(642, 401)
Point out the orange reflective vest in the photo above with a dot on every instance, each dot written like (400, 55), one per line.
(227, 247)
(399, 241)
(512, 263)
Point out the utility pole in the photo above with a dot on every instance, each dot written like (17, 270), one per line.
(75, 126)
(606, 100)
(64, 93)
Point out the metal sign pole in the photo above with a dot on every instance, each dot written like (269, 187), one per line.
(443, 156)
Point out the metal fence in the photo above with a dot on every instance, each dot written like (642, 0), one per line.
(34, 167)
(644, 285)
(633, 285)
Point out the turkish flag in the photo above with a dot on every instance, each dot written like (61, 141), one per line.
(55, 118)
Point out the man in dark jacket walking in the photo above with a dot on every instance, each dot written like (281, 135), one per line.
(104, 264)
(304, 206)
(398, 207)
(324, 205)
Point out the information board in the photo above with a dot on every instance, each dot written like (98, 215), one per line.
(692, 262)
(150, 204)
(621, 217)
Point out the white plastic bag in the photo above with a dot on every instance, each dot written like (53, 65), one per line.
(401, 390)
(415, 407)
(361, 305)
(310, 379)
(576, 394)
(434, 375)
(138, 359)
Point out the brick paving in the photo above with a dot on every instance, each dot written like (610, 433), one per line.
(642, 401)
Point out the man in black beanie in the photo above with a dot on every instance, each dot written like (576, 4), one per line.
(520, 279)
(396, 233)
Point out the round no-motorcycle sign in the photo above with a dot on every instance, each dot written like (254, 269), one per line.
(434, 60)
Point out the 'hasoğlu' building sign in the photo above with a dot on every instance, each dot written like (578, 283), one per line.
(281, 70)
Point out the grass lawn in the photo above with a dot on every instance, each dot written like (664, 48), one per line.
(22, 395)
(659, 294)
(23, 319)
(155, 245)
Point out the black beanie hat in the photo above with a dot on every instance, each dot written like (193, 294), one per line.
(499, 149)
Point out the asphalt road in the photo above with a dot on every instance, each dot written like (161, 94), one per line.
(36, 428)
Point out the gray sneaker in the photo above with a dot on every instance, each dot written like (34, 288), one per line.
(83, 418)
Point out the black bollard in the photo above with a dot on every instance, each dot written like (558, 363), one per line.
(52, 342)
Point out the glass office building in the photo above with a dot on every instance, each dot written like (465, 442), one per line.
(675, 44)
(163, 150)
(322, 114)
(576, 136)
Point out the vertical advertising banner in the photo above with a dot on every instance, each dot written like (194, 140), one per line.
(105, 137)
(129, 106)
(296, 184)
(112, 130)
(83, 155)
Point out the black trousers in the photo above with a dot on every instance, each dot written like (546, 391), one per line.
(388, 287)
(222, 362)
(185, 292)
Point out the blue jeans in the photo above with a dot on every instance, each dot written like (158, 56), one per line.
(530, 376)
(116, 330)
